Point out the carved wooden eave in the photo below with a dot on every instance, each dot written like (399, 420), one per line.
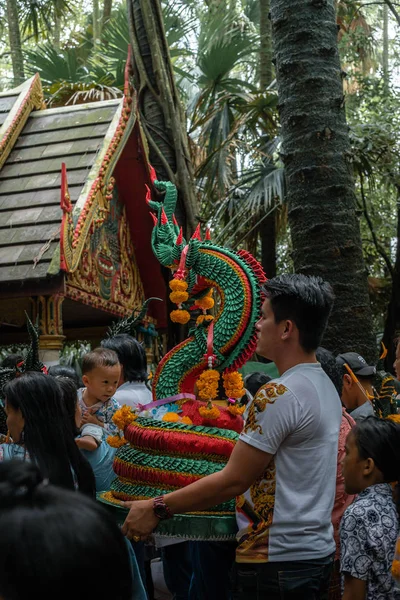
(30, 98)
(92, 205)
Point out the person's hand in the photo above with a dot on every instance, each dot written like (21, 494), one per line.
(141, 520)
(89, 418)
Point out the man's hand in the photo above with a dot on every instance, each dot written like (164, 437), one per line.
(89, 418)
(141, 520)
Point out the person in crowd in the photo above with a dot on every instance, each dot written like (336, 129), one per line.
(40, 432)
(101, 373)
(71, 546)
(358, 381)
(369, 527)
(12, 361)
(88, 438)
(64, 371)
(253, 382)
(132, 389)
(283, 467)
(342, 500)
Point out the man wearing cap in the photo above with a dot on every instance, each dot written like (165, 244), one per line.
(358, 380)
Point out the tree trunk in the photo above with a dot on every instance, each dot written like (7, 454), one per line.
(107, 6)
(267, 228)
(57, 31)
(14, 36)
(96, 24)
(315, 149)
(161, 112)
(385, 50)
(392, 323)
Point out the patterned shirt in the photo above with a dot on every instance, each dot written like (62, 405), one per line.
(103, 411)
(286, 513)
(368, 534)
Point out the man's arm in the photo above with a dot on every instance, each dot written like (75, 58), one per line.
(245, 465)
(354, 589)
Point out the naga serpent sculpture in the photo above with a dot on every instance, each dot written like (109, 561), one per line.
(236, 276)
(157, 455)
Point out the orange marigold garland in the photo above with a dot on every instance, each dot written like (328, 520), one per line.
(178, 297)
(206, 301)
(396, 570)
(180, 316)
(171, 417)
(177, 285)
(115, 441)
(123, 417)
(207, 385)
(204, 319)
(234, 389)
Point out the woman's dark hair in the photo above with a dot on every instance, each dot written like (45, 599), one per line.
(57, 543)
(131, 355)
(379, 439)
(48, 438)
(70, 399)
(305, 300)
(64, 371)
(254, 381)
(331, 368)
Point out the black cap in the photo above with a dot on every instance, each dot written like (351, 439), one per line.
(357, 364)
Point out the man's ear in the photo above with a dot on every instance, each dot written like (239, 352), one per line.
(347, 380)
(288, 329)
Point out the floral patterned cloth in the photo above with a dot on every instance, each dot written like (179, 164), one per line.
(368, 534)
(104, 411)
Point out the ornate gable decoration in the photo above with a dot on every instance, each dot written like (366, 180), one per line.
(30, 98)
(93, 205)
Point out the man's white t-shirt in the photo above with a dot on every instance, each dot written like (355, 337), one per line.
(286, 514)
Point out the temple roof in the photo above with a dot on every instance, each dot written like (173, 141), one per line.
(30, 179)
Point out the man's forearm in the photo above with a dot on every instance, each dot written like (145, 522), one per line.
(205, 493)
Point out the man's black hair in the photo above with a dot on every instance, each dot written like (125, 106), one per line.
(305, 300)
(131, 355)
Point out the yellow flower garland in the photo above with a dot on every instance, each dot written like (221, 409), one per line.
(171, 417)
(123, 417)
(233, 385)
(115, 441)
(207, 384)
(201, 318)
(177, 285)
(209, 412)
(235, 409)
(206, 301)
(179, 316)
(178, 297)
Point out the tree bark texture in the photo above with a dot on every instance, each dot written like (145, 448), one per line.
(392, 323)
(107, 6)
(14, 36)
(267, 228)
(161, 112)
(315, 150)
(385, 50)
(96, 23)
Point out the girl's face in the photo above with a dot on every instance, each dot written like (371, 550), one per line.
(354, 468)
(15, 422)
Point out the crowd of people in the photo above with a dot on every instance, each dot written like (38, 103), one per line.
(314, 472)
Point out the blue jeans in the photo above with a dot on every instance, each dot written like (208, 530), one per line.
(212, 565)
(177, 567)
(300, 580)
